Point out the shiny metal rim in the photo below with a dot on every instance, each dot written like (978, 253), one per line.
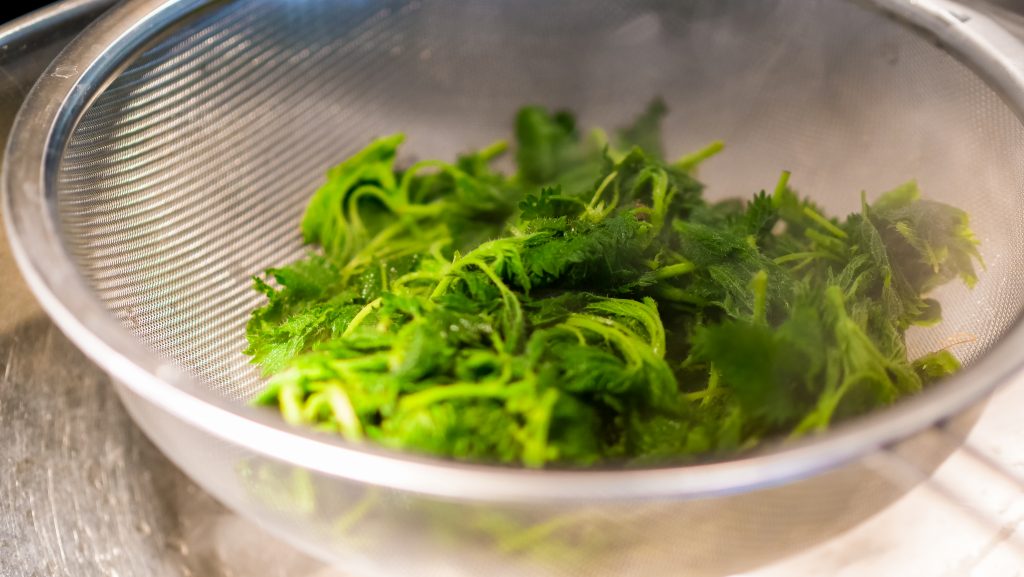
(80, 73)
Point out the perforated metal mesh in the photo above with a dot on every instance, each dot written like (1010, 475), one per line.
(189, 174)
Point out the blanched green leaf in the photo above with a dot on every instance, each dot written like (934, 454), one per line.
(594, 307)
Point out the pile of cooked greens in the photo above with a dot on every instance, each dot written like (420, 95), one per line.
(593, 306)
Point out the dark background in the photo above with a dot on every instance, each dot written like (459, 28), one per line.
(10, 12)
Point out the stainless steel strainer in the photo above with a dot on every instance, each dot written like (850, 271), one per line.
(167, 154)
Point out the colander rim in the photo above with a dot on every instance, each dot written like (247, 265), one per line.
(79, 74)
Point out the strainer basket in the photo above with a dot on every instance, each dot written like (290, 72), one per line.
(166, 157)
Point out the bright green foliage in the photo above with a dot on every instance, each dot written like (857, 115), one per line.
(593, 307)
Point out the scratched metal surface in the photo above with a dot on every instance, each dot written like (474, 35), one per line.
(84, 494)
(76, 479)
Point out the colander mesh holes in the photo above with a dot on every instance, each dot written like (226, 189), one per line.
(190, 173)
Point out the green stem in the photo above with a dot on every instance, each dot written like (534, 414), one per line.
(804, 255)
(384, 276)
(361, 316)
(290, 401)
(442, 286)
(600, 190)
(820, 418)
(661, 196)
(345, 413)
(824, 222)
(512, 306)
(690, 161)
(493, 150)
(714, 378)
(610, 331)
(435, 249)
(366, 253)
(352, 205)
(412, 171)
(781, 184)
(825, 241)
(439, 393)
(674, 270)
(535, 453)
(420, 275)
(678, 295)
(311, 410)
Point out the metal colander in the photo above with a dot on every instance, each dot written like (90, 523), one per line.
(168, 154)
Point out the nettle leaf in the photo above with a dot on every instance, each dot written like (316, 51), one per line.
(645, 132)
(323, 222)
(931, 241)
(548, 144)
(763, 370)
(760, 216)
(550, 203)
(593, 307)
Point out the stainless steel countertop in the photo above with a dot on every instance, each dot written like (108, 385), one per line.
(83, 493)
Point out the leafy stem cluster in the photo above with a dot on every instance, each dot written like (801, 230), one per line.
(594, 306)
